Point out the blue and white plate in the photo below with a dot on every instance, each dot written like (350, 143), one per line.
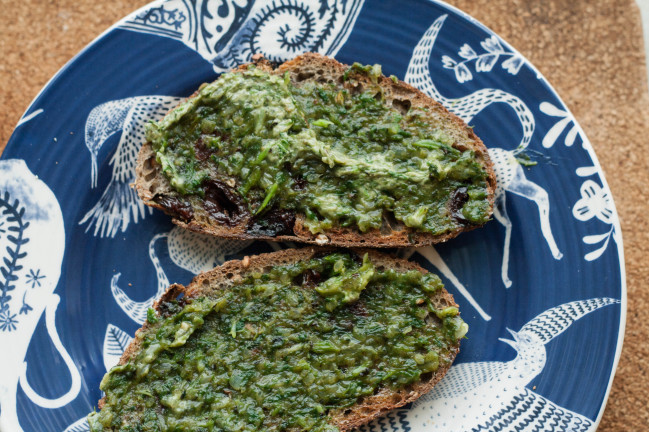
(542, 286)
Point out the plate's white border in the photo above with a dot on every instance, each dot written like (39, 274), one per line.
(586, 145)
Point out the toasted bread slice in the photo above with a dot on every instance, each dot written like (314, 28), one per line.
(155, 189)
(232, 273)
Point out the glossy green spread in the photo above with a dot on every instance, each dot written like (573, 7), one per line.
(278, 351)
(341, 159)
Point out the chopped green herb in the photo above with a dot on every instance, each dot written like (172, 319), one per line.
(278, 351)
(346, 160)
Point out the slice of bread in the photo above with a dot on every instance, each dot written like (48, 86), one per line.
(232, 272)
(156, 191)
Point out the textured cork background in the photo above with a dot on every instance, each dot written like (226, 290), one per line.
(591, 51)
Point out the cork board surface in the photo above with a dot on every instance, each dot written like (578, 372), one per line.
(591, 51)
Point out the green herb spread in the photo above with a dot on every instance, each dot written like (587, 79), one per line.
(278, 351)
(341, 159)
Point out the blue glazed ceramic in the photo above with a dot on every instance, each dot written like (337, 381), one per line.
(542, 286)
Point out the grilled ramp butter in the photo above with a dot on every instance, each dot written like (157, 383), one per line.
(287, 349)
(258, 146)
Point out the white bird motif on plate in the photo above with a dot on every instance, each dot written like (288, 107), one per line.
(119, 203)
(492, 396)
(509, 173)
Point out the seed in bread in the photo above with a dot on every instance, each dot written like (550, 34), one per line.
(316, 150)
(309, 339)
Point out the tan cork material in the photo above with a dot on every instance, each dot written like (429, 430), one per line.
(591, 51)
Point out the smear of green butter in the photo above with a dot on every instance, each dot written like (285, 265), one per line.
(343, 159)
(279, 350)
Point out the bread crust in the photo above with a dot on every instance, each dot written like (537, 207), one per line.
(151, 184)
(232, 272)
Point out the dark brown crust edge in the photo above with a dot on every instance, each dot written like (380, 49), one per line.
(344, 237)
(230, 272)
